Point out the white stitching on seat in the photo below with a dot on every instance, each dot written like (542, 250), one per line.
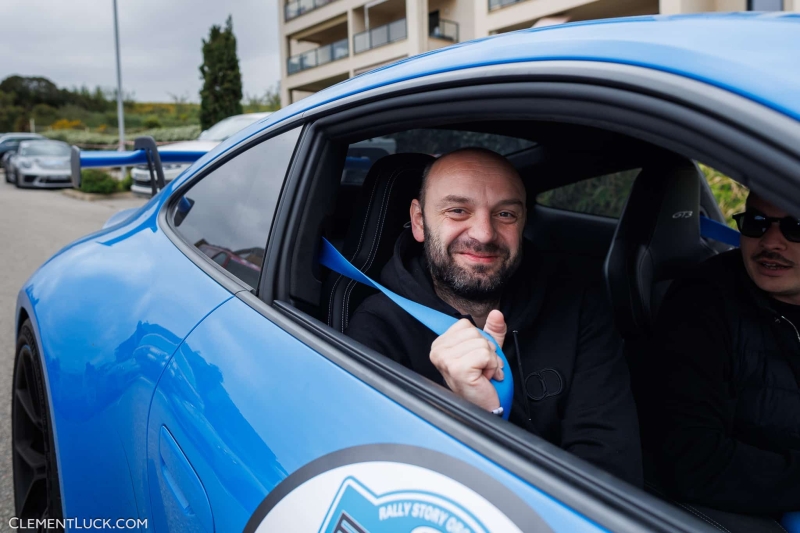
(373, 252)
(704, 517)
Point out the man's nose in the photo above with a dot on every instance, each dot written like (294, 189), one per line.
(482, 228)
(773, 239)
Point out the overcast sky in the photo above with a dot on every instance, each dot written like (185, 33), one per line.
(71, 42)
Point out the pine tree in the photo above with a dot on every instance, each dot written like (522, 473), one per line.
(221, 95)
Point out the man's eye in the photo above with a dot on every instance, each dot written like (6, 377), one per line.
(457, 211)
(506, 214)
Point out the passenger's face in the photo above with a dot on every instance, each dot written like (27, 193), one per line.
(772, 262)
(472, 224)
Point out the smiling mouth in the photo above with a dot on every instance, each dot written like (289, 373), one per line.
(771, 265)
(481, 258)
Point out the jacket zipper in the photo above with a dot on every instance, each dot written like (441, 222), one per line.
(522, 378)
(796, 332)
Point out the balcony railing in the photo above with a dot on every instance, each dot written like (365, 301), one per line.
(497, 4)
(318, 56)
(388, 33)
(298, 7)
(447, 30)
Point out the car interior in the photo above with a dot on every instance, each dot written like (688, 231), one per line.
(601, 202)
(597, 200)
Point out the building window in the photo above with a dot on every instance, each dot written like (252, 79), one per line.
(765, 5)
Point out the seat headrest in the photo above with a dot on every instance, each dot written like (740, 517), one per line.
(379, 217)
(657, 238)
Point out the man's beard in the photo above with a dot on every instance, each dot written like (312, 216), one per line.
(471, 283)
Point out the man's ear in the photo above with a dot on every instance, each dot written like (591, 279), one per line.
(417, 224)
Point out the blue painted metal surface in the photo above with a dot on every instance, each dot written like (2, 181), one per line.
(111, 310)
(107, 158)
(251, 404)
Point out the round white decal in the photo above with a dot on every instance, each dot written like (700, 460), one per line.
(362, 490)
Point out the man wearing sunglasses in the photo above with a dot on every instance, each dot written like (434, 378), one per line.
(726, 408)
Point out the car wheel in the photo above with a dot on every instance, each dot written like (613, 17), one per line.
(36, 490)
(8, 175)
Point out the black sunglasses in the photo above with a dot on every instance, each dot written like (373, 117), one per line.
(755, 224)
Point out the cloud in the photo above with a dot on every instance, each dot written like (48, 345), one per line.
(72, 43)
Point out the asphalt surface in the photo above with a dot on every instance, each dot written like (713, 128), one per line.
(34, 224)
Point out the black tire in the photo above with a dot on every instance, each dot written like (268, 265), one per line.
(36, 490)
(8, 175)
(17, 181)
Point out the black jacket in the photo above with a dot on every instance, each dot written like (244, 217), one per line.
(727, 402)
(578, 390)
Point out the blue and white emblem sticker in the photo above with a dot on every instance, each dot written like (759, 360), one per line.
(392, 489)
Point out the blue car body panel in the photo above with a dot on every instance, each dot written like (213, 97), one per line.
(112, 340)
(123, 318)
(243, 440)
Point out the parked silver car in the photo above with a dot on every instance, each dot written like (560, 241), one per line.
(9, 142)
(205, 142)
(41, 164)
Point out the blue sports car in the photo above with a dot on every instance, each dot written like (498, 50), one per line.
(186, 367)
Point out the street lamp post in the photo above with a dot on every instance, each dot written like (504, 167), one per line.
(120, 114)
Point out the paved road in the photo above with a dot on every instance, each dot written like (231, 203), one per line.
(34, 224)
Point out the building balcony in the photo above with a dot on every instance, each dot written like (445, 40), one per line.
(497, 4)
(318, 56)
(296, 8)
(382, 35)
(446, 30)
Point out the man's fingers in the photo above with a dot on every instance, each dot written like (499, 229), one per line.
(442, 358)
(456, 335)
(499, 374)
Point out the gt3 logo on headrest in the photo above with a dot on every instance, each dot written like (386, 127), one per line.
(683, 214)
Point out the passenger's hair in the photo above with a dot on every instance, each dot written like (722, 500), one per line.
(474, 149)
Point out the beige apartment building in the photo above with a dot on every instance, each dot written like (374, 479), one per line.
(326, 41)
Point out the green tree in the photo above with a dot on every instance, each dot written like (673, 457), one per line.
(9, 113)
(221, 95)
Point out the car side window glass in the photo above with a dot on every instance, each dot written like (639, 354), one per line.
(602, 195)
(229, 212)
(729, 194)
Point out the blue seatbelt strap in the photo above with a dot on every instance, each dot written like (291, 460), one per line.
(711, 229)
(436, 321)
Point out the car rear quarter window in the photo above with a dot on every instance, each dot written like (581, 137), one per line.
(230, 210)
(602, 195)
(729, 194)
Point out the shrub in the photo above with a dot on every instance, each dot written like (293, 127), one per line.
(730, 194)
(125, 184)
(97, 181)
(66, 124)
(151, 122)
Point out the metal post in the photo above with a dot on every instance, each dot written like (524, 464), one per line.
(120, 114)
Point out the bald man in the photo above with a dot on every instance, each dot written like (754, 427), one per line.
(465, 256)
(726, 405)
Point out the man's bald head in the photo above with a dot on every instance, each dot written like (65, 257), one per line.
(450, 162)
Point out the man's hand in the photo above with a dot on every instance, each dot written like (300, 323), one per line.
(467, 360)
